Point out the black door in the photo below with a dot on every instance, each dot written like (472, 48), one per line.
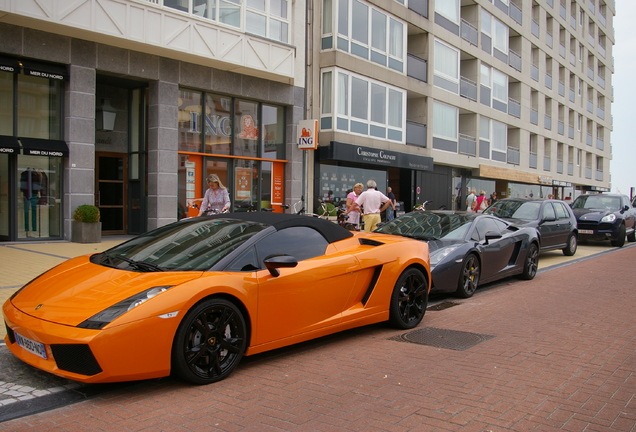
(111, 196)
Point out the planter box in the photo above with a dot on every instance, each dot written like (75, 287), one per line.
(84, 232)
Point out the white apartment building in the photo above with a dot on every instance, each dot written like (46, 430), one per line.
(431, 96)
(131, 104)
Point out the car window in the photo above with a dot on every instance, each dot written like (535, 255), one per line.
(597, 202)
(248, 261)
(484, 225)
(300, 242)
(548, 212)
(561, 211)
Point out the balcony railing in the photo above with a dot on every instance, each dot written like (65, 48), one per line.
(549, 41)
(571, 132)
(467, 145)
(570, 168)
(561, 128)
(515, 13)
(547, 164)
(588, 173)
(600, 112)
(591, 7)
(514, 60)
(469, 32)
(602, 19)
(534, 72)
(416, 67)
(588, 139)
(599, 175)
(600, 144)
(559, 166)
(416, 134)
(548, 81)
(572, 95)
(600, 80)
(468, 89)
(514, 108)
(590, 39)
(573, 21)
(514, 156)
(563, 12)
(532, 160)
(562, 50)
(547, 122)
(572, 58)
(561, 88)
(419, 6)
(601, 50)
(535, 28)
(534, 116)
(590, 106)
(590, 73)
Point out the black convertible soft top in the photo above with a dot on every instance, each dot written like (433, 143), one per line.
(332, 232)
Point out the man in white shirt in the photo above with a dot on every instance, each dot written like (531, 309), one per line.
(373, 202)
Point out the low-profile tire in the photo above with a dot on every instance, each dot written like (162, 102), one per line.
(209, 342)
(632, 236)
(572, 244)
(468, 276)
(619, 241)
(409, 299)
(531, 263)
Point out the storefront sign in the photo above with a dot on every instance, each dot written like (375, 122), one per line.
(359, 154)
(308, 134)
(278, 178)
(243, 184)
(43, 147)
(561, 183)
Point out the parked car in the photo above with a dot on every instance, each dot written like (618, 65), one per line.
(605, 216)
(193, 297)
(554, 220)
(467, 249)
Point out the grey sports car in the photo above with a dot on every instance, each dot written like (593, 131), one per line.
(468, 249)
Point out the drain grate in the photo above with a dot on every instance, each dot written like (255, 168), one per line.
(442, 306)
(442, 338)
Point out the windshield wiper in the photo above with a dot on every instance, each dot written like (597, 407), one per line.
(139, 265)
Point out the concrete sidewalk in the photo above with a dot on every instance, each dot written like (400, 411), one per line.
(554, 353)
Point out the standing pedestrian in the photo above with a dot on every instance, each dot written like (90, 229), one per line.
(373, 202)
(353, 209)
(390, 210)
(470, 199)
(493, 198)
(481, 202)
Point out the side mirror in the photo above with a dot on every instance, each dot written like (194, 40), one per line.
(274, 262)
(625, 208)
(492, 235)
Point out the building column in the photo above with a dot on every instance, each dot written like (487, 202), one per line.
(163, 159)
(79, 128)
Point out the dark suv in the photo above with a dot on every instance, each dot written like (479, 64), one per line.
(604, 216)
(552, 218)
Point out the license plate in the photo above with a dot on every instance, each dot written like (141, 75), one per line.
(31, 346)
(586, 231)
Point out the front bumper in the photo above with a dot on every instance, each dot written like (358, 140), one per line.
(134, 351)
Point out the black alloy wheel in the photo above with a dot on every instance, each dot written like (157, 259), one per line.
(531, 264)
(619, 241)
(409, 299)
(469, 277)
(210, 342)
(572, 244)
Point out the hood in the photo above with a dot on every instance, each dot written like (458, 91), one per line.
(590, 215)
(78, 289)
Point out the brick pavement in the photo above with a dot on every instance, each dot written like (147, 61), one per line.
(563, 357)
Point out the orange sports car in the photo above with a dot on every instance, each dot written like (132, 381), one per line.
(191, 298)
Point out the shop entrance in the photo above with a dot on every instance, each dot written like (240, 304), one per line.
(111, 191)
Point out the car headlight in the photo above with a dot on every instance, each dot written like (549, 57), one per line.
(609, 218)
(108, 315)
(440, 254)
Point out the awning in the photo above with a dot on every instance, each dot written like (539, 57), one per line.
(9, 145)
(9, 64)
(44, 70)
(43, 147)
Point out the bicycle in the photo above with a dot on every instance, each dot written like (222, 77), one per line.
(422, 207)
(298, 208)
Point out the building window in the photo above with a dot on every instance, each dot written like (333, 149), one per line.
(362, 106)
(229, 126)
(446, 67)
(496, 134)
(496, 31)
(445, 121)
(366, 32)
(449, 9)
(266, 18)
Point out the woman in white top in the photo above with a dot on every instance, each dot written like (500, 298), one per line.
(216, 198)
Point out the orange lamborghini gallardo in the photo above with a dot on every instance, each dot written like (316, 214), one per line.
(191, 298)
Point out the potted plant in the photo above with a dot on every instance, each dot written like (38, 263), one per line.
(86, 225)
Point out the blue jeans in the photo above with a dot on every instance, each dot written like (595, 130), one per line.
(390, 213)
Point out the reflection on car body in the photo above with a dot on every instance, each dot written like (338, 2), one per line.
(193, 297)
(467, 249)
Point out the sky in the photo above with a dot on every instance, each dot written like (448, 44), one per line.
(623, 137)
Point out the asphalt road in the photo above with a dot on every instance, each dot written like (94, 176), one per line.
(25, 390)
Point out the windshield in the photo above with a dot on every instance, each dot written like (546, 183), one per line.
(182, 246)
(524, 210)
(429, 226)
(597, 202)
